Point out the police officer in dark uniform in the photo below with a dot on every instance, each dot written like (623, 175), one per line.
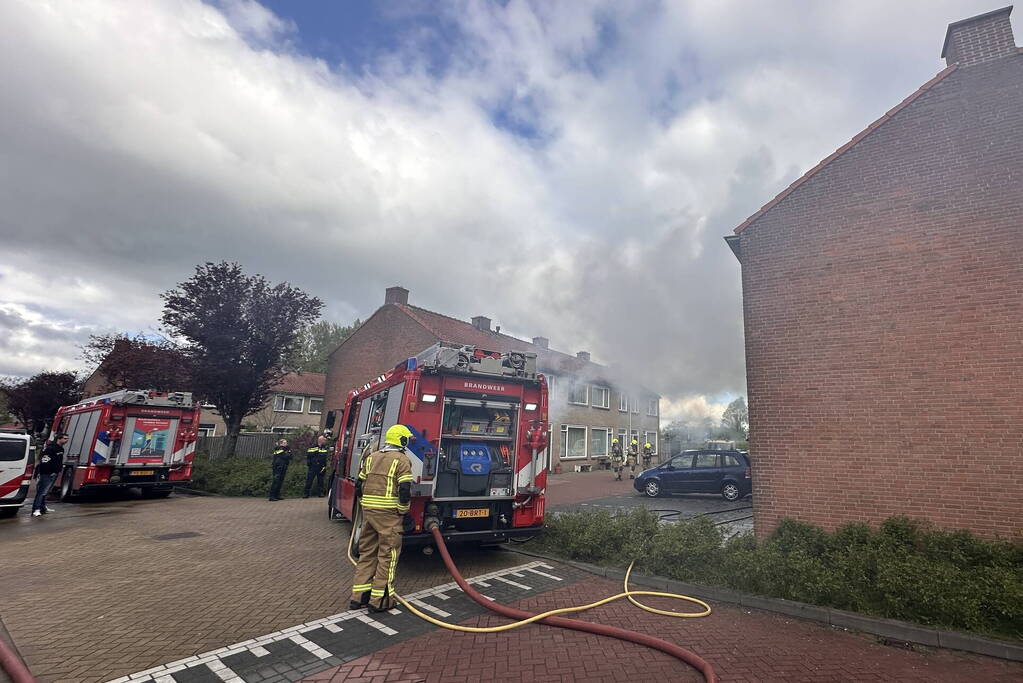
(282, 458)
(316, 458)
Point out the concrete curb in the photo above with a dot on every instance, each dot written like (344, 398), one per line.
(891, 629)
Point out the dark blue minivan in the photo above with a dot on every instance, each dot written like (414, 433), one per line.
(704, 471)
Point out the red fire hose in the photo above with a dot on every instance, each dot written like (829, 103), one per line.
(12, 664)
(690, 658)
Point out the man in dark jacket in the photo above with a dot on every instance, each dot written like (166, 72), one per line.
(279, 467)
(51, 461)
(316, 459)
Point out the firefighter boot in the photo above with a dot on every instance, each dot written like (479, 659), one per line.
(362, 603)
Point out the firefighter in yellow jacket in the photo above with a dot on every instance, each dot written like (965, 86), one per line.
(384, 487)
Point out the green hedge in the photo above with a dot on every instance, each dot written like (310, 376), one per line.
(902, 570)
(248, 476)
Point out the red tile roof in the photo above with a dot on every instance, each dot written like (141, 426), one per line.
(845, 148)
(307, 383)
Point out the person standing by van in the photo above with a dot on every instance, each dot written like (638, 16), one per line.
(50, 463)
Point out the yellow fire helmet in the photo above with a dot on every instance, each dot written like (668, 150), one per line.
(614, 440)
(398, 435)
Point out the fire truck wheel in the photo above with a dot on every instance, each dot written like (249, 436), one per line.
(8, 512)
(66, 493)
(155, 493)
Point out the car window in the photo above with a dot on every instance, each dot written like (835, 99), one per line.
(12, 449)
(731, 461)
(707, 460)
(680, 462)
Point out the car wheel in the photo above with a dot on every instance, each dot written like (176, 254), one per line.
(8, 512)
(730, 491)
(652, 488)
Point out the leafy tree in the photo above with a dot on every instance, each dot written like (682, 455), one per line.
(237, 332)
(34, 401)
(317, 342)
(736, 417)
(138, 362)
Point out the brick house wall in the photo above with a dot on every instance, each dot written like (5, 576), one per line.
(883, 304)
(397, 331)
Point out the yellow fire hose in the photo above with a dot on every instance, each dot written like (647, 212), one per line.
(627, 593)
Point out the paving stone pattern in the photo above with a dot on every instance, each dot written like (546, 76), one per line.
(99, 596)
(742, 645)
(299, 651)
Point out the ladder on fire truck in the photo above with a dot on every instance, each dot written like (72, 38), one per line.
(174, 399)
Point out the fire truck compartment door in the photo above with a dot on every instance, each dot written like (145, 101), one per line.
(148, 440)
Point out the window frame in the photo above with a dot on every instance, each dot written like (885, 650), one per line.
(207, 429)
(563, 446)
(310, 409)
(607, 442)
(623, 402)
(655, 403)
(652, 442)
(607, 396)
(286, 397)
(586, 398)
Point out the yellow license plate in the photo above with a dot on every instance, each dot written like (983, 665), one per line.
(143, 473)
(472, 512)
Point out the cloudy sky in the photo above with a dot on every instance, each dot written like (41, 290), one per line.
(567, 168)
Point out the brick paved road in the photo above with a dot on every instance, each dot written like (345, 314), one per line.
(113, 587)
(742, 645)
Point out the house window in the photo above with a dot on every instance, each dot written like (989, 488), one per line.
(573, 442)
(281, 430)
(207, 430)
(651, 438)
(623, 403)
(577, 394)
(599, 439)
(651, 407)
(634, 404)
(316, 406)
(289, 404)
(623, 439)
(600, 397)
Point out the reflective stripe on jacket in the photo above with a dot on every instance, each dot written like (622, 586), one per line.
(381, 473)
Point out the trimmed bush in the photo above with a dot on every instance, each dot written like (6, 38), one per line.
(902, 570)
(248, 476)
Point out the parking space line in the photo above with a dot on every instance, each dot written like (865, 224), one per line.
(513, 583)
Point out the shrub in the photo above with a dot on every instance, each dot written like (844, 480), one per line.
(903, 570)
(238, 476)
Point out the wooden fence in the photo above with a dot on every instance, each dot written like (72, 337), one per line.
(249, 446)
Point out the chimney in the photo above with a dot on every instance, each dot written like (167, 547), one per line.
(396, 295)
(542, 342)
(583, 355)
(481, 323)
(979, 39)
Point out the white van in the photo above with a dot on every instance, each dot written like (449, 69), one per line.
(16, 465)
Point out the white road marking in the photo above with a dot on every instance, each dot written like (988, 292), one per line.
(310, 646)
(513, 583)
(549, 576)
(330, 623)
(386, 630)
(428, 607)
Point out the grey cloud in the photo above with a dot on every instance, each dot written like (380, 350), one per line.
(160, 138)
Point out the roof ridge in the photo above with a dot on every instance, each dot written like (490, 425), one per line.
(500, 334)
(846, 147)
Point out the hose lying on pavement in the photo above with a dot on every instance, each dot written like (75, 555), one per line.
(12, 664)
(550, 617)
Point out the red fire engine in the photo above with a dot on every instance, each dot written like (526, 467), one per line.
(144, 439)
(479, 460)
